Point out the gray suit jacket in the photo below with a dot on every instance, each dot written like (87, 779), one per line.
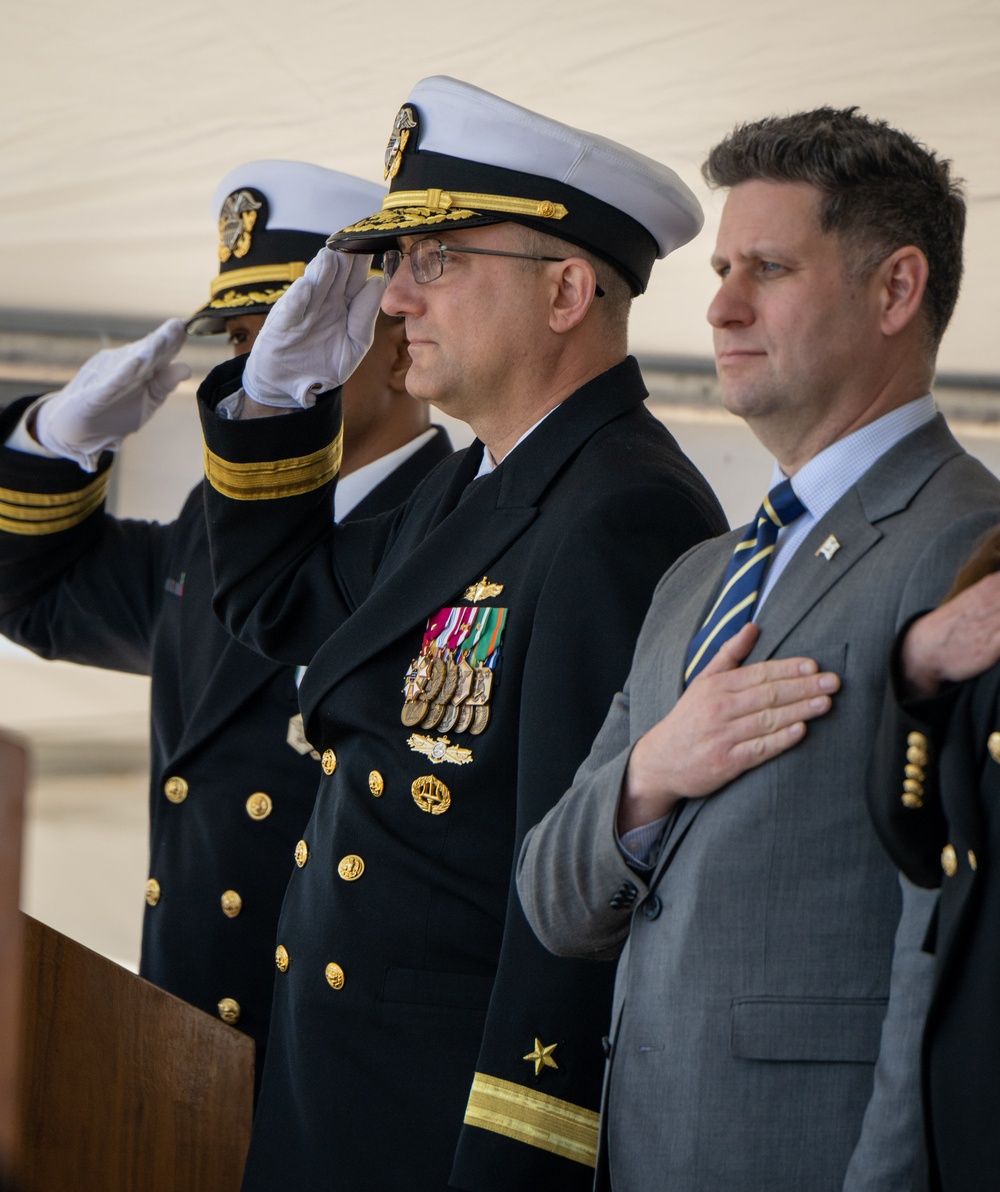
(755, 959)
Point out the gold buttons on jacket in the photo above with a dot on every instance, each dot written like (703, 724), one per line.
(176, 789)
(949, 860)
(229, 1010)
(351, 867)
(913, 794)
(281, 958)
(375, 784)
(913, 782)
(301, 853)
(431, 795)
(335, 975)
(259, 805)
(993, 745)
(152, 892)
(329, 762)
(916, 751)
(232, 904)
(973, 863)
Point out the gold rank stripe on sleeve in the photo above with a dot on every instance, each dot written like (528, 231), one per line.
(535, 1118)
(49, 513)
(271, 480)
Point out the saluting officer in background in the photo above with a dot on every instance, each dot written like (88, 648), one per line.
(465, 650)
(232, 780)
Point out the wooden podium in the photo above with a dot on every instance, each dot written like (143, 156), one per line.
(107, 1084)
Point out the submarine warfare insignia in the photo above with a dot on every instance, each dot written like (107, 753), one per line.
(236, 221)
(402, 126)
(449, 684)
(482, 590)
(440, 750)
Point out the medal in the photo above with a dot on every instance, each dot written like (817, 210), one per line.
(433, 716)
(413, 712)
(449, 684)
(436, 680)
(450, 681)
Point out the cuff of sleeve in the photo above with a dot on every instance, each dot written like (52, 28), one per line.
(21, 439)
(638, 845)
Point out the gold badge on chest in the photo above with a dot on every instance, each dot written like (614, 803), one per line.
(449, 684)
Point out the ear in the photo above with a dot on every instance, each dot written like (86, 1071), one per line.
(575, 289)
(903, 281)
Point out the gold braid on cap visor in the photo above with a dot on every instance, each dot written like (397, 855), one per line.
(412, 208)
(257, 275)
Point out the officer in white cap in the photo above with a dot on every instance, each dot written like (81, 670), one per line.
(232, 775)
(464, 653)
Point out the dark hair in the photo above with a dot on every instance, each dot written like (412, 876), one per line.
(881, 190)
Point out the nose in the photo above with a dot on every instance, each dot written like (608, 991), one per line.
(402, 294)
(731, 303)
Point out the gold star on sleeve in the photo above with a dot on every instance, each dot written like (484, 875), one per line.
(542, 1056)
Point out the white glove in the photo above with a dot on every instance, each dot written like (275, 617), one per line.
(317, 333)
(111, 396)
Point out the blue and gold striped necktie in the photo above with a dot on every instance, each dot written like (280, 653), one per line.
(744, 577)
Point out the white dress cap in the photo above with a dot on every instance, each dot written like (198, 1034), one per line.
(465, 121)
(459, 156)
(273, 217)
(302, 197)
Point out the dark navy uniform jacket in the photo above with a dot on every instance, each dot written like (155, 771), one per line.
(229, 795)
(421, 1036)
(935, 800)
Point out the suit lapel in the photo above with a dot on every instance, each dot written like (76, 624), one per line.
(469, 530)
(886, 489)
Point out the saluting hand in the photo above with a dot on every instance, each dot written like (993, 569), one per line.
(112, 396)
(730, 719)
(317, 333)
(954, 642)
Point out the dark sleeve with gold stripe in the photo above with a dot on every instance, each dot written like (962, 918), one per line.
(75, 583)
(285, 575)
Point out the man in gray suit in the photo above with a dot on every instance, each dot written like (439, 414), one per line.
(770, 986)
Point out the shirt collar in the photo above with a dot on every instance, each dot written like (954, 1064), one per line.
(821, 482)
(353, 488)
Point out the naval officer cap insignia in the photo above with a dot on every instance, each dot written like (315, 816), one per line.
(273, 218)
(460, 157)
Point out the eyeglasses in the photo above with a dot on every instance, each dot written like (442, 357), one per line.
(427, 258)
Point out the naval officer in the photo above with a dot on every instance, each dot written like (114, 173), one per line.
(232, 777)
(464, 650)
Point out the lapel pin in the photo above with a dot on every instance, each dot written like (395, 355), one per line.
(829, 548)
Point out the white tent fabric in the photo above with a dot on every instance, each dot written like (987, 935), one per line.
(121, 116)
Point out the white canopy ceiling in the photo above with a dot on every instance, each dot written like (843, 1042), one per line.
(120, 117)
